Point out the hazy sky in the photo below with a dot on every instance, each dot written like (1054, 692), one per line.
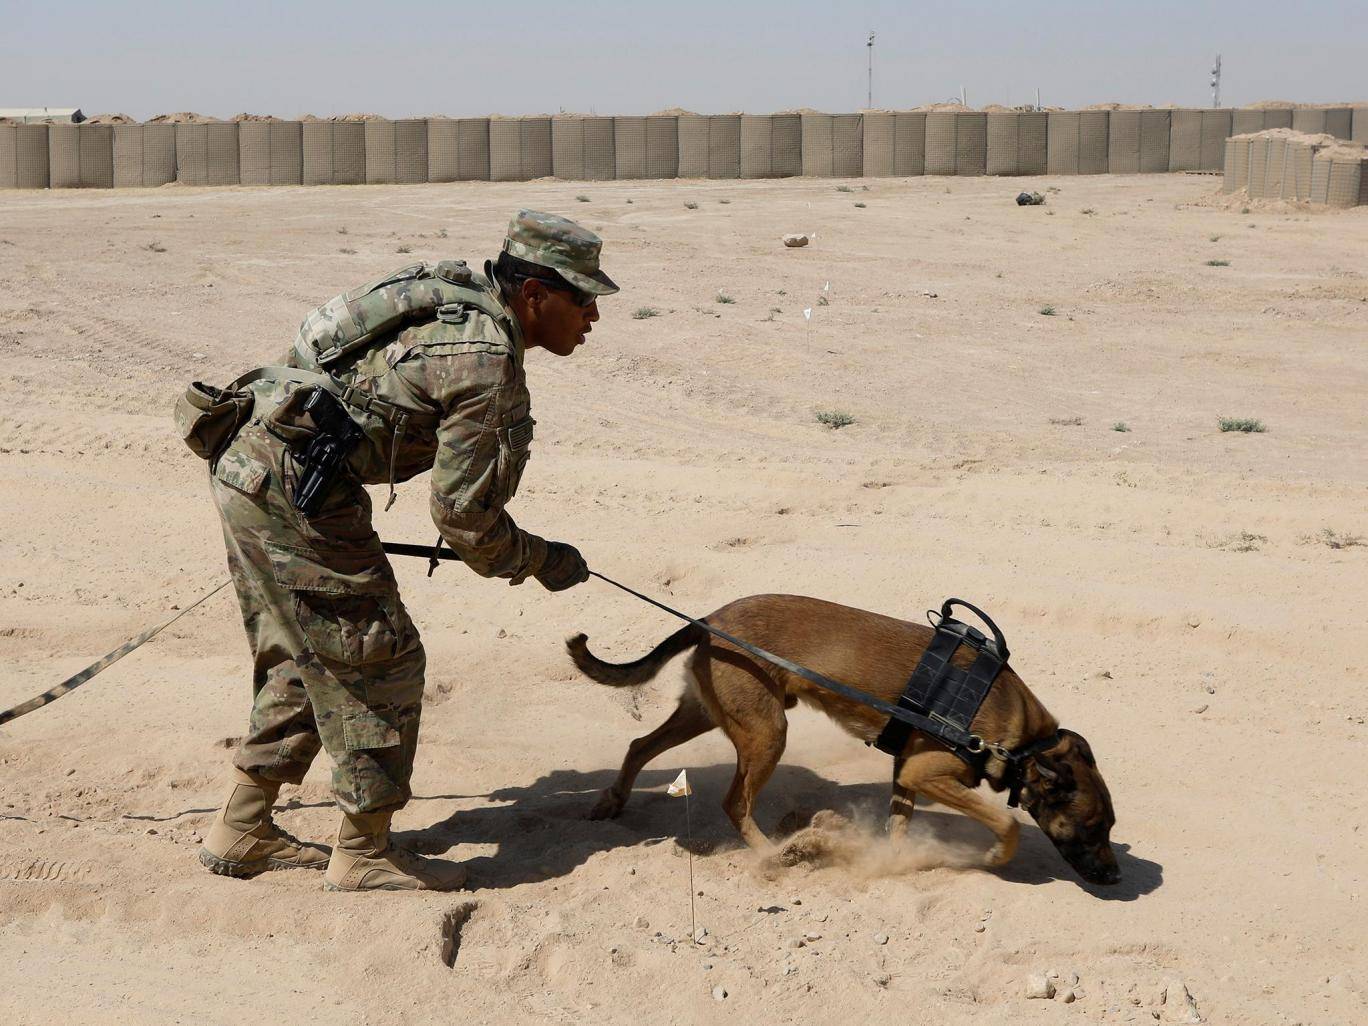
(144, 57)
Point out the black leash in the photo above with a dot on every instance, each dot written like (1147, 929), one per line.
(946, 732)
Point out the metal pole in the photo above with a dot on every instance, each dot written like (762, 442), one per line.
(1216, 82)
(869, 98)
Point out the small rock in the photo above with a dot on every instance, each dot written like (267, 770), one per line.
(642, 923)
(931, 295)
(790, 969)
(1201, 709)
(795, 900)
(1038, 986)
(502, 633)
(707, 966)
(1073, 979)
(1180, 1002)
(881, 938)
(70, 772)
(1211, 689)
(980, 927)
(1067, 996)
(1105, 675)
(719, 993)
(795, 240)
(820, 919)
(811, 936)
(882, 979)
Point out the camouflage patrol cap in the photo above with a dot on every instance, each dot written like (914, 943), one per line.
(570, 249)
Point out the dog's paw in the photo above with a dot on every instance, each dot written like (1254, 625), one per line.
(608, 806)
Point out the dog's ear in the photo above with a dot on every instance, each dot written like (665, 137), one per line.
(1080, 744)
(1056, 778)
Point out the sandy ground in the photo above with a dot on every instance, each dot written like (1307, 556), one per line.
(1170, 591)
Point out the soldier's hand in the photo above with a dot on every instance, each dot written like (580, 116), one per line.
(564, 567)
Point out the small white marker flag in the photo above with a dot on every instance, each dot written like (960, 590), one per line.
(807, 313)
(826, 287)
(680, 786)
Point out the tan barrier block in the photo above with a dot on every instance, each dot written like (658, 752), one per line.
(1348, 185)
(334, 153)
(880, 142)
(270, 153)
(646, 147)
(1062, 150)
(1300, 164)
(1154, 141)
(771, 145)
(940, 143)
(1216, 125)
(709, 146)
(1230, 180)
(1320, 180)
(582, 148)
(1274, 166)
(519, 149)
(81, 156)
(1242, 164)
(1247, 122)
(144, 155)
(894, 144)
(1336, 121)
(458, 149)
(1359, 126)
(1185, 140)
(1258, 167)
(833, 145)
(1017, 143)
(1094, 135)
(24, 156)
(1123, 142)
(971, 143)
(207, 154)
(396, 151)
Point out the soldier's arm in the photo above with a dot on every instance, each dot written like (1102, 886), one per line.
(472, 478)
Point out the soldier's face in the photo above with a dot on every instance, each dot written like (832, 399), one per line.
(556, 321)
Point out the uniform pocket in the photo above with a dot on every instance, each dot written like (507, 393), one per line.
(363, 729)
(347, 606)
(515, 447)
(240, 471)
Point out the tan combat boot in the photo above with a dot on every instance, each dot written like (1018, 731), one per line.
(364, 860)
(244, 841)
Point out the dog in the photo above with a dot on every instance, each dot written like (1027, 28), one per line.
(726, 687)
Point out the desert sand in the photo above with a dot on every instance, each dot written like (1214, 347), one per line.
(1190, 600)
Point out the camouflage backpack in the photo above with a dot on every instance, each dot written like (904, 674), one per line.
(349, 323)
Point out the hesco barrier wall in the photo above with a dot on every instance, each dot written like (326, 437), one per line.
(1017, 144)
(833, 145)
(396, 151)
(334, 152)
(270, 153)
(771, 145)
(710, 146)
(1138, 141)
(1236, 165)
(956, 143)
(1197, 139)
(582, 148)
(894, 144)
(1336, 121)
(207, 154)
(646, 147)
(24, 157)
(81, 156)
(519, 149)
(1299, 167)
(877, 143)
(1077, 142)
(144, 155)
(458, 149)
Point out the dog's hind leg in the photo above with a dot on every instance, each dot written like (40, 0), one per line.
(750, 710)
(689, 720)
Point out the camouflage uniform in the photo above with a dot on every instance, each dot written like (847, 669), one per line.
(337, 660)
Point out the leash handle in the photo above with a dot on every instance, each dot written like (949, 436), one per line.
(998, 639)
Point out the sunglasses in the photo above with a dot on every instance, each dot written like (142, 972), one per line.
(582, 298)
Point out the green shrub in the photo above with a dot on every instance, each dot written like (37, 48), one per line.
(1248, 425)
(644, 312)
(834, 419)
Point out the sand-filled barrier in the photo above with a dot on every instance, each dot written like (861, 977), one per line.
(771, 145)
(144, 155)
(646, 147)
(458, 149)
(519, 149)
(206, 152)
(894, 143)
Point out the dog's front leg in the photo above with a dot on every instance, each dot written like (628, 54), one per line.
(956, 795)
(901, 807)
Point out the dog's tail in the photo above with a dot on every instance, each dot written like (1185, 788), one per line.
(622, 675)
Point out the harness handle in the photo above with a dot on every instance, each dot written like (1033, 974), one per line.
(998, 639)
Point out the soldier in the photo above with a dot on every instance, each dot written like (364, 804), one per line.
(428, 365)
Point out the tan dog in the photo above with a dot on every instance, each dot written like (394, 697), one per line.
(1062, 788)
